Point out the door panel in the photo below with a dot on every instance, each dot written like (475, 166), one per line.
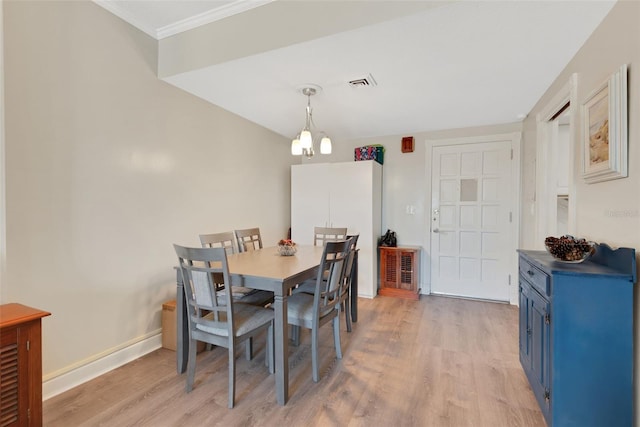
(470, 230)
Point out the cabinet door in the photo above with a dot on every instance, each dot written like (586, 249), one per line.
(540, 349)
(351, 197)
(524, 324)
(388, 268)
(407, 263)
(14, 377)
(309, 200)
(355, 205)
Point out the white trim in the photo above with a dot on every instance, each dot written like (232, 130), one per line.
(545, 199)
(88, 369)
(208, 17)
(516, 141)
(183, 25)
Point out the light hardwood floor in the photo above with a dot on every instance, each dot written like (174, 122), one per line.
(434, 362)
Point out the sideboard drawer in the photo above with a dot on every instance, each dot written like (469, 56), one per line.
(538, 278)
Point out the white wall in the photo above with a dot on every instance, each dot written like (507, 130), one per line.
(3, 234)
(107, 166)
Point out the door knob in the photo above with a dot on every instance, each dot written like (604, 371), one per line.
(435, 230)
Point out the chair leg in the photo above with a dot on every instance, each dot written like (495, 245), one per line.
(336, 335)
(314, 354)
(191, 364)
(295, 335)
(347, 312)
(249, 349)
(232, 375)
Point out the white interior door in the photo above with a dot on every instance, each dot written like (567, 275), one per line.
(470, 220)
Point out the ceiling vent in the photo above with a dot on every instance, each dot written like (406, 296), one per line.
(367, 81)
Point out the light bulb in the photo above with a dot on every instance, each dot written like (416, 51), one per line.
(296, 148)
(305, 139)
(325, 145)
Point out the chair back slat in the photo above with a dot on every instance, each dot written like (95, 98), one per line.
(249, 239)
(332, 268)
(321, 235)
(226, 240)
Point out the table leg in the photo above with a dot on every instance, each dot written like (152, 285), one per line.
(182, 331)
(281, 349)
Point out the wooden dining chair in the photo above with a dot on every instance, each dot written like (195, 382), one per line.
(225, 324)
(328, 234)
(313, 311)
(249, 239)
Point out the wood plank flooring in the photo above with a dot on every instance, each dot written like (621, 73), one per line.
(434, 362)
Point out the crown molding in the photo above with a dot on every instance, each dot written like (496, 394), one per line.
(183, 25)
(209, 16)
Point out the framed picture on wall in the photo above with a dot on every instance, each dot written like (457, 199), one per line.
(604, 125)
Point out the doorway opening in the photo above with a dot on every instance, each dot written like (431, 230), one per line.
(555, 196)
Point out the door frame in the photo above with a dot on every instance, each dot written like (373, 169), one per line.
(546, 134)
(515, 139)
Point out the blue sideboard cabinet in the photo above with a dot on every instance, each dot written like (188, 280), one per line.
(576, 336)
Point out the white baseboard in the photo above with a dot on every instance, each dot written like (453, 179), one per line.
(87, 370)
(367, 296)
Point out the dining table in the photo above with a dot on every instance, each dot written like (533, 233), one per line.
(264, 269)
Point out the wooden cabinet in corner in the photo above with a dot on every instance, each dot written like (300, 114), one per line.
(399, 272)
(21, 365)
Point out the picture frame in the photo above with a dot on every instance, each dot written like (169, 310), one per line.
(604, 124)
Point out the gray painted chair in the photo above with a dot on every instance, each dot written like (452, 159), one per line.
(241, 294)
(249, 239)
(320, 236)
(313, 311)
(309, 286)
(225, 325)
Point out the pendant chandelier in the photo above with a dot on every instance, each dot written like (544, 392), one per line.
(302, 144)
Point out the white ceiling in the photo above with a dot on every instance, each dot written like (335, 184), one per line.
(462, 64)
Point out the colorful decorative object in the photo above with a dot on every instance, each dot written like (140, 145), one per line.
(370, 152)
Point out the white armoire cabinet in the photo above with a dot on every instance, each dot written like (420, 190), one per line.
(341, 195)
